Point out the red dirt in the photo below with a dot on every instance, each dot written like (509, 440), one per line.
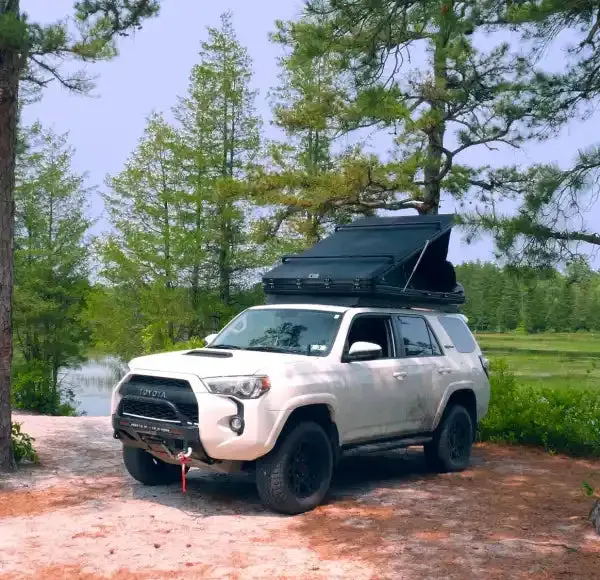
(517, 513)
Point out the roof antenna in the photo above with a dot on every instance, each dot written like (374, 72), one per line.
(416, 266)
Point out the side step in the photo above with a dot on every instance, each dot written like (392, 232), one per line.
(387, 445)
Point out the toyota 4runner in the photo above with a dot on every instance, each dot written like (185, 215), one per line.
(286, 389)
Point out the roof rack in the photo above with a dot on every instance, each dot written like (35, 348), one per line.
(359, 302)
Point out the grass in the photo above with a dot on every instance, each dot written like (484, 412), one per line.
(570, 361)
(545, 391)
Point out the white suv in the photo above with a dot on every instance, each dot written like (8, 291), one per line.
(287, 388)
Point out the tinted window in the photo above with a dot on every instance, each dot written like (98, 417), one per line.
(375, 329)
(417, 338)
(459, 332)
(286, 330)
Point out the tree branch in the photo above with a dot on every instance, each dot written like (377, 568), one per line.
(78, 85)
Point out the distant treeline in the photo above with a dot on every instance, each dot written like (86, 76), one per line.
(504, 299)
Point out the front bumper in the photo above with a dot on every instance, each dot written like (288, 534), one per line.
(212, 438)
(159, 438)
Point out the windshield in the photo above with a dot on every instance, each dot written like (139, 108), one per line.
(308, 332)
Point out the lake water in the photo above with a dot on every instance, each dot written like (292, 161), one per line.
(92, 384)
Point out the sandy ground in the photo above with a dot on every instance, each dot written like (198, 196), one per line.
(517, 513)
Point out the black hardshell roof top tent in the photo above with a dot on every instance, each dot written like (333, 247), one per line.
(392, 262)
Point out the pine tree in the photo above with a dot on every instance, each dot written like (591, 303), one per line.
(31, 54)
(460, 99)
(51, 268)
(299, 185)
(219, 145)
(145, 251)
(509, 305)
(550, 220)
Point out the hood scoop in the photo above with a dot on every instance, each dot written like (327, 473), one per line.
(209, 353)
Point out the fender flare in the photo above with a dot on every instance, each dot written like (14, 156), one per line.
(450, 390)
(297, 403)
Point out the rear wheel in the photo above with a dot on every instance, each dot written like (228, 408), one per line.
(451, 447)
(149, 470)
(296, 475)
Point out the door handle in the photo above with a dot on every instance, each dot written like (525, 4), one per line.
(400, 375)
(444, 371)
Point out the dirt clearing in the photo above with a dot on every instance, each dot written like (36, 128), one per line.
(518, 513)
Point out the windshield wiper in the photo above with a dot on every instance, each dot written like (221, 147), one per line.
(226, 347)
(270, 349)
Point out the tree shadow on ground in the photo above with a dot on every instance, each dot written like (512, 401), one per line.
(236, 494)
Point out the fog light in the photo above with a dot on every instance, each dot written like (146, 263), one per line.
(237, 424)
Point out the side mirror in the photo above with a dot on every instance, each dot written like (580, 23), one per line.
(208, 339)
(364, 351)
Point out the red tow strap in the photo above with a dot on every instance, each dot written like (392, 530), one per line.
(185, 459)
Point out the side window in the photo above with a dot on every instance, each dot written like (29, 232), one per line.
(459, 333)
(418, 340)
(376, 329)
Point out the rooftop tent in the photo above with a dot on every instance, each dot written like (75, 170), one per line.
(391, 261)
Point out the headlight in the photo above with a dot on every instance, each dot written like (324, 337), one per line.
(241, 387)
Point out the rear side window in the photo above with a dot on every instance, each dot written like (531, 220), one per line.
(459, 332)
(417, 338)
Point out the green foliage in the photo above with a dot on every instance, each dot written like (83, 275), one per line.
(301, 181)
(143, 255)
(504, 299)
(588, 489)
(87, 36)
(560, 420)
(51, 270)
(552, 220)
(457, 99)
(22, 445)
(34, 388)
(178, 261)
(114, 316)
(218, 147)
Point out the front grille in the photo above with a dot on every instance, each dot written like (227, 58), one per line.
(157, 382)
(190, 411)
(150, 409)
(159, 398)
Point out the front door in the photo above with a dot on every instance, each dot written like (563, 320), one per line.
(372, 384)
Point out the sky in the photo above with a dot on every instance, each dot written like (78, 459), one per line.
(153, 69)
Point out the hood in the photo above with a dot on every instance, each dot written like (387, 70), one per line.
(206, 362)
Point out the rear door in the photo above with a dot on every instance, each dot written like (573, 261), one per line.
(424, 370)
(464, 356)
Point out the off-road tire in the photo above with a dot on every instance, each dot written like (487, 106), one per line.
(148, 470)
(452, 442)
(303, 454)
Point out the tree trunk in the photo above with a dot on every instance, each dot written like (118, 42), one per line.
(595, 516)
(224, 260)
(195, 326)
(9, 86)
(435, 133)
(225, 210)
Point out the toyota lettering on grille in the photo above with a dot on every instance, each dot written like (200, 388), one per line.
(153, 393)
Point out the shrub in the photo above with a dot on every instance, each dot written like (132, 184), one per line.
(561, 420)
(34, 390)
(22, 445)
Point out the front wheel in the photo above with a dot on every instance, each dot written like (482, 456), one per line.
(451, 447)
(295, 477)
(147, 469)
